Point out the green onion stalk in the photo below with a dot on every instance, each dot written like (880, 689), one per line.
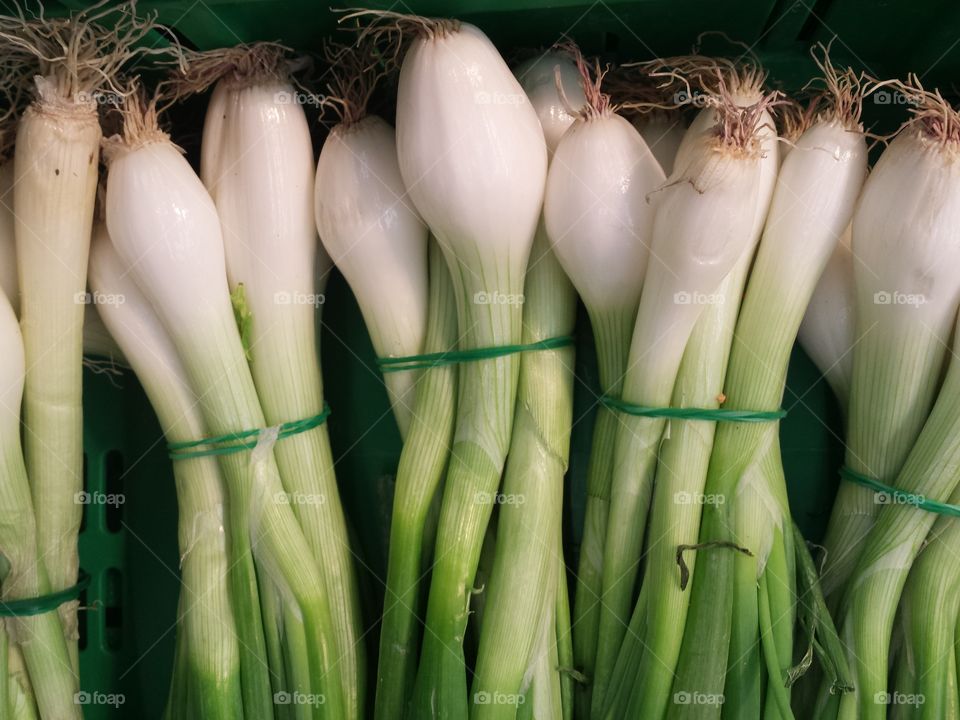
(874, 591)
(651, 646)
(599, 221)
(523, 586)
(39, 637)
(164, 225)
(259, 172)
(57, 147)
(696, 243)
(814, 199)
(208, 653)
(921, 155)
(497, 150)
(926, 667)
(423, 461)
(907, 296)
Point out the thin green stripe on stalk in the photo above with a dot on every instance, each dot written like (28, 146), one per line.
(524, 579)
(423, 460)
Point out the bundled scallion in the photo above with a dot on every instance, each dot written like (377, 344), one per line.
(260, 175)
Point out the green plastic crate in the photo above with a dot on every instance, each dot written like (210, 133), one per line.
(128, 628)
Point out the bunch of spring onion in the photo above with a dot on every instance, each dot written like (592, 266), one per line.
(379, 242)
(55, 163)
(473, 158)
(902, 236)
(742, 607)
(525, 627)
(163, 224)
(599, 221)
(257, 164)
(206, 676)
(697, 241)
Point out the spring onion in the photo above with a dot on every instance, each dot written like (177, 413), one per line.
(600, 222)
(164, 225)
(261, 179)
(212, 668)
(703, 224)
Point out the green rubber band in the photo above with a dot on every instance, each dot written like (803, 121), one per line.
(451, 357)
(241, 441)
(693, 413)
(901, 497)
(28, 607)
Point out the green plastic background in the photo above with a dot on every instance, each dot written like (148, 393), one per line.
(129, 628)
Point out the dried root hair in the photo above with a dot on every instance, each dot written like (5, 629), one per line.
(356, 70)
(738, 126)
(841, 99)
(708, 75)
(82, 55)
(931, 116)
(141, 123)
(381, 25)
(635, 93)
(242, 65)
(795, 116)
(598, 103)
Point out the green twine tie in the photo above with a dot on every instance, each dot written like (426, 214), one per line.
(28, 607)
(451, 357)
(693, 413)
(899, 496)
(241, 441)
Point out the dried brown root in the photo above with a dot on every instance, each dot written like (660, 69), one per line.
(737, 125)
(843, 91)
(378, 24)
(591, 78)
(794, 117)
(930, 114)
(243, 65)
(356, 70)
(635, 93)
(141, 123)
(709, 75)
(80, 56)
